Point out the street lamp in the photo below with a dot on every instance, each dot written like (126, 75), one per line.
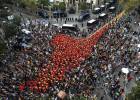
(77, 6)
(125, 71)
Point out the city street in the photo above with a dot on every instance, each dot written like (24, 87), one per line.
(46, 53)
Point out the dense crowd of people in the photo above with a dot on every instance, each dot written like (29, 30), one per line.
(44, 62)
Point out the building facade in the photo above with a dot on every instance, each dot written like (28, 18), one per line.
(74, 2)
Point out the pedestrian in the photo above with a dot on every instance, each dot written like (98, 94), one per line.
(82, 24)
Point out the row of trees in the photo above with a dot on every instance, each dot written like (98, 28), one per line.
(8, 27)
(2, 47)
(34, 4)
(61, 6)
(129, 4)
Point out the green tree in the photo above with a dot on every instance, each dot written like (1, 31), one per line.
(135, 94)
(6, 1)
(83, 6)
(44, 2)
(17, 20)
(2, 47)
(9, 29)
(21, 4)
(129, 4)
(55, 7)
(32, 4)
(62, 6)
(4, 13)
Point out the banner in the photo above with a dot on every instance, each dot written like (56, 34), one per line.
(61, 94)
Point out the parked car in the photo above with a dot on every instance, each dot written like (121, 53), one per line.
(102, 16)
(97, 10)
(43, 14)
(112, 2)
(70, 27)
(102, 7)
(92, 22)
(112, 9)
(59, 13)
(72, 11)
(108, 4)
(83, 16)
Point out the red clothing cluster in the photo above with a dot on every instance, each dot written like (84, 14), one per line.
(68, 53)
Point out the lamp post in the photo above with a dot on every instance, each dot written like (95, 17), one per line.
(98, 2)
(59, 13)
(66, 2)
(125, 71)
(77, 6)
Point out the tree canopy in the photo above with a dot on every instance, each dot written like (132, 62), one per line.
(62, 6)
(10, 29)
(2, 47)
(82, 6)
(129, 4)
(44, 2)
(135, 94)
(32, 4)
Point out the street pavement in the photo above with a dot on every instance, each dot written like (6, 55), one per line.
(74, 16)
